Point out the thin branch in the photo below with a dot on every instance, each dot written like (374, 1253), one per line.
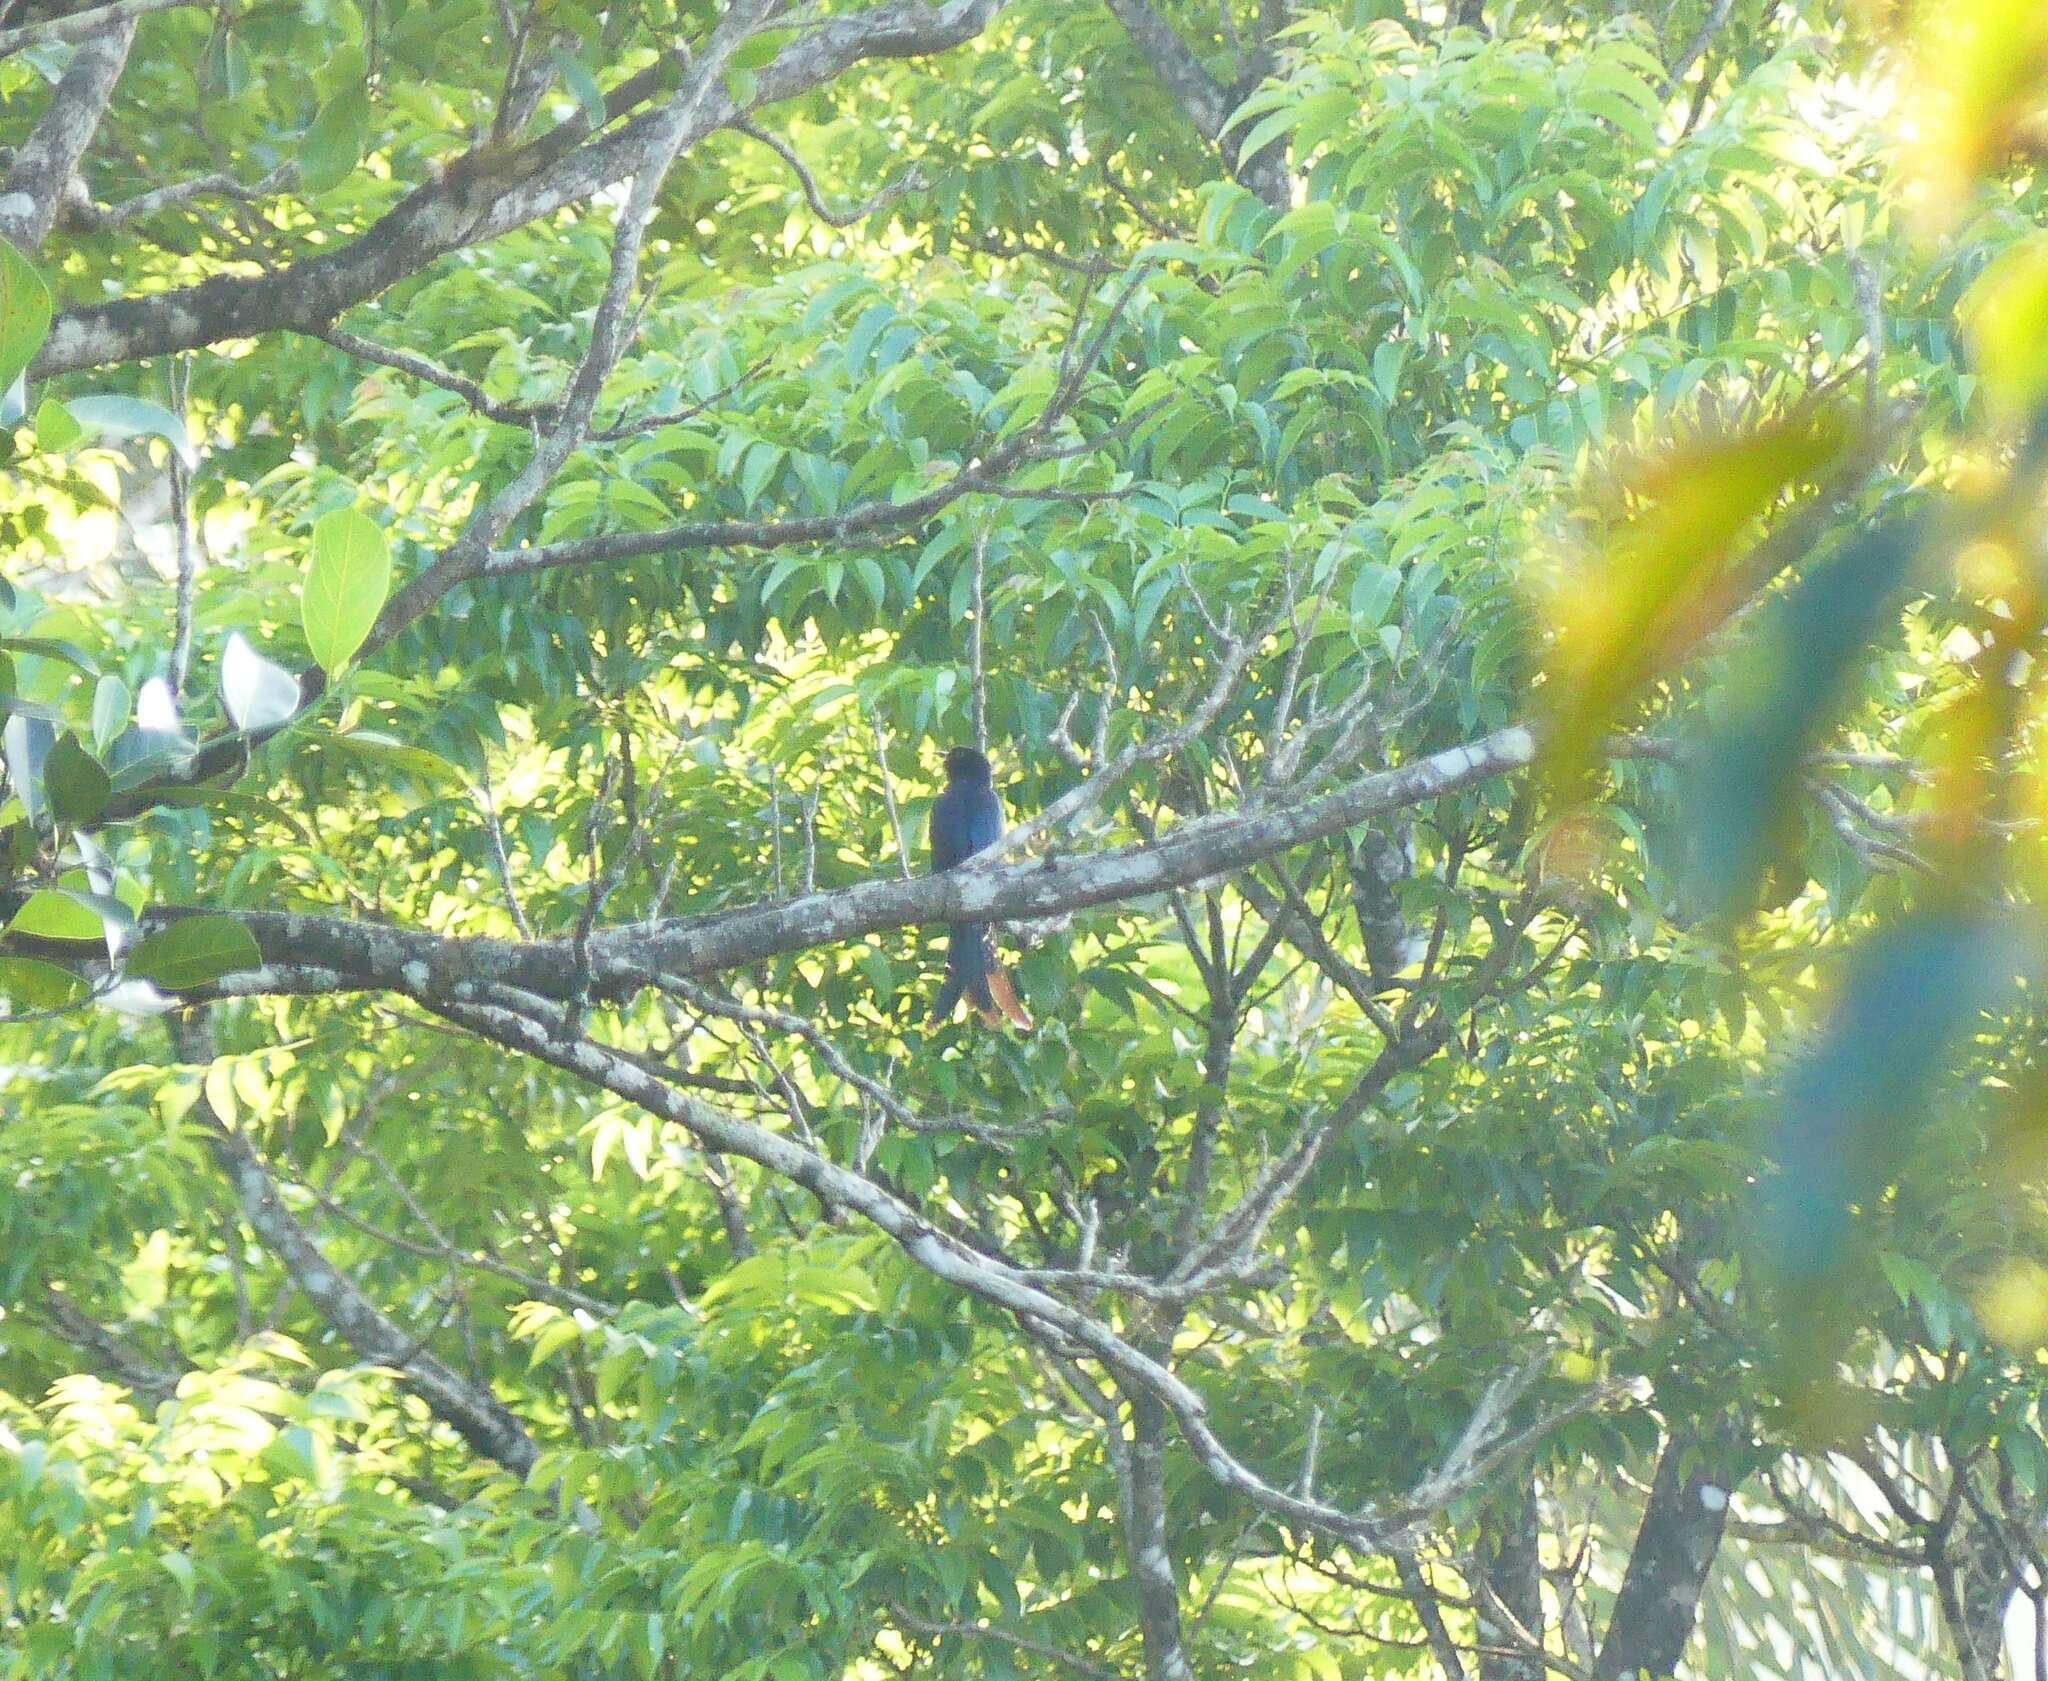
(1703, 38)
(486, 799)
(531, 1027)
(484, 194)
(608, 331)
(977, 649)
(471, 1410)
(911, 180)
(100, 217)
(181, 525)
(989, 1631)
(889, 794)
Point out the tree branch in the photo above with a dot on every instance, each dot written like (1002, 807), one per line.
(43, 167)
(303, 952)
(470, 1409)
(1207, 102)
(1667, 1569)
(531, 1027)
(480, 196)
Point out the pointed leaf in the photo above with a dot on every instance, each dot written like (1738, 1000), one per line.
(31, 984)
(28, 740)
(75, 782)
(110, 707)
(1780, 700)
(576, 77)
(334, 142)
(117, 417)
(57, 427)
(346, 585)
(52, 914)
(194, 951)
(24, 313)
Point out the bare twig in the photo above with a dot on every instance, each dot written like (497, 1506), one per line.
(181, 525)
(218, 184)
(485, 798)
(909, 182)
(989, 1631)
(889, 793)
(978, 645)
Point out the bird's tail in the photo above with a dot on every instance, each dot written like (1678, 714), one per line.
(976, 973)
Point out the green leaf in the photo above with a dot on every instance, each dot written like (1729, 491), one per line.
(75, 782)
(556, 1337)
(429, 770)
(32, 984)
(57, 427)
(1780, 698)
(576, 77)
(1852, 1104)
(346, 586)
(1671, 572)
(49, 648)
(52, 914)
(294, 1452)
(24, 313)
(179, 1568)
(193, 952)
(227, 67)
(111, 706)
(2005, 314)
(334, 142)
(118, 417)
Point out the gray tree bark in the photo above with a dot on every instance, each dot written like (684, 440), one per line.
(1510, 1587)
(1668, 1568)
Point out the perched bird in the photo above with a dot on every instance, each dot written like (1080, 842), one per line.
(965, 818)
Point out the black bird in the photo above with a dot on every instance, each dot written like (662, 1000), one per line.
(965, 818)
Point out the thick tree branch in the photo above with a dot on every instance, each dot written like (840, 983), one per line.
(479, 196)
(470, 1409)
(1508, 1585)
(533, 1028)
(1207, 102)
(348, 955)
(1145, 1543)
(43, 167)
(1416, 1584)
(1667, 1570)
(119, 1359)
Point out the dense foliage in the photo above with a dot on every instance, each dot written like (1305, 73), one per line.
(1498, 548)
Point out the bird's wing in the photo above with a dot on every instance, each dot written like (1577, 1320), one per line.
(984, 819)
(964, 820)
(948, 831)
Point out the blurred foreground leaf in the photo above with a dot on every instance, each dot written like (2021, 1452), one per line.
(1781, 699)
(1668, 574)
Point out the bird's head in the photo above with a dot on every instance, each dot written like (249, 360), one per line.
(964, 764)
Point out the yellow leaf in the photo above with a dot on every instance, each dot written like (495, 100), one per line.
(2005, 317)
(1982, 92)
(220, 1091)
(1667, 573)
